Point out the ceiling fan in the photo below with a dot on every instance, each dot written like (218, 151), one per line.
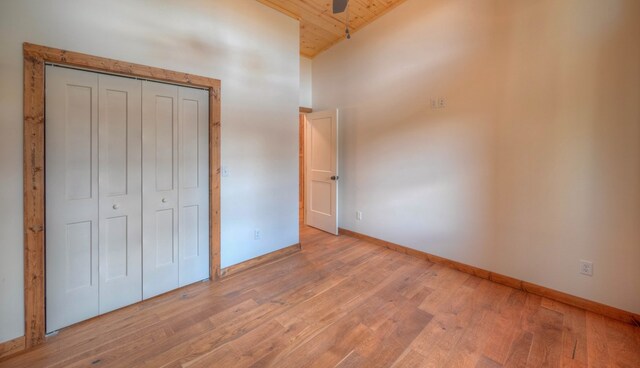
(340, 6)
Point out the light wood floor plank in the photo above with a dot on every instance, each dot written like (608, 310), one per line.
(342, 302)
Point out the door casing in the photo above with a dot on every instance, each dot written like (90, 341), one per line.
(34, 59)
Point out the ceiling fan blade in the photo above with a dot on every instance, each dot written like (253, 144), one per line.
(339, 6)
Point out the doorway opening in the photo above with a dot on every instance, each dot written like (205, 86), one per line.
(318, 202)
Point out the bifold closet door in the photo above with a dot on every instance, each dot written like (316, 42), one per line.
(127, 191)
(175, 197)
(93, 194)
(193, 179)
(160, 188)
(120, 191)
(71, 131)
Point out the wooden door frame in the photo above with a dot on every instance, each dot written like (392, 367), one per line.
(301, 129)
(35, 58)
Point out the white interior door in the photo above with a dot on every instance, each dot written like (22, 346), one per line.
(193, 178)
(120, 191)
(321, 166)
(160, 188)
(71, 130)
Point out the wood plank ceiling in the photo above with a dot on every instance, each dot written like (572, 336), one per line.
(320, 28)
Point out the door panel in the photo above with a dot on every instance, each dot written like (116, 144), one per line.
(120, 187)
(193, 149)
(321, 165)
(189, 242)
(165, 124)
(321, 149)
(189, 129)
(114, 122)
(78, 128)
(321, 199)
(116, 248)
(164, 234)
(79, 273)
(71, 130)
(160, 180)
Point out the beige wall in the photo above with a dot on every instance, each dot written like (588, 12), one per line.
(305, 81)
(534, 162)
(251, 48)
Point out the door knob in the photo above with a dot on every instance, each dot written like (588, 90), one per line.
(116, 206)
(164, 200)
(335, 177)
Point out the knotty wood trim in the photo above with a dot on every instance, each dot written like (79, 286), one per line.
(215, 103)
(589, 305)
(33, 182)
(35, 57)
(261, 260)
(96, 63)
(11, 347)
(301, 124)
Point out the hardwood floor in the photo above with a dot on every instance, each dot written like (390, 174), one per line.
(342, 302)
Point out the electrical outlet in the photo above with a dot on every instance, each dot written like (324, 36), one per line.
(438, 103)
(256, 234)
(358, 215)
(586, 267)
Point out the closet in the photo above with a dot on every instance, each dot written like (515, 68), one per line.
(127, 191)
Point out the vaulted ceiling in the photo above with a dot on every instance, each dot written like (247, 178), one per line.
(320, 28)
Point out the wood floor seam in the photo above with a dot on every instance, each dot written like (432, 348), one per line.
(341, 302)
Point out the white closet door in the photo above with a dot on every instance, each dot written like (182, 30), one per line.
(120, 183)
(71, 151)
(160, 188)
(193, 121)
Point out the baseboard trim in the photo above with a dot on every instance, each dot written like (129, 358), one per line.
(261, 260)
(12, 347)
(589, 305)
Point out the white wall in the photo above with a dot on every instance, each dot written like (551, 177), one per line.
(533, 164)
(306, 82)
(251, 48)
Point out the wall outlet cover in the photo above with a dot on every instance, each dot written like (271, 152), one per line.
(586, 267)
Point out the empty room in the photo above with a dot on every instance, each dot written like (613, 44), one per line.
(320, 183)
